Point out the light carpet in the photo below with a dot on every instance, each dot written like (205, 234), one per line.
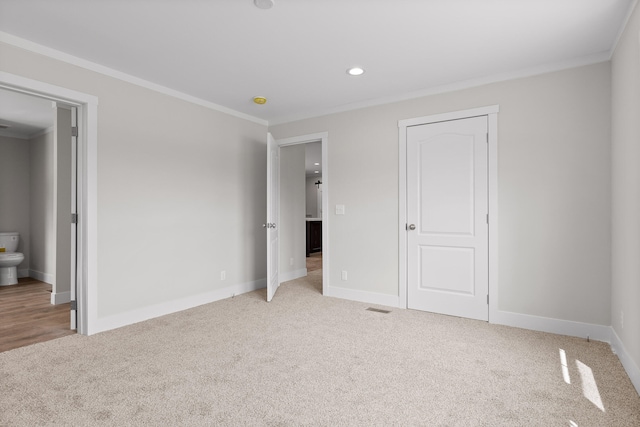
(305, 359)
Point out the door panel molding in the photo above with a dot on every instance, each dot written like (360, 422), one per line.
(491, 112)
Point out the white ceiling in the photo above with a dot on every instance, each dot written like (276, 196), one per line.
(24, 114)
(296, 53)
(313, 155)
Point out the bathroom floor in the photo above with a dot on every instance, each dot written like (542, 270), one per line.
(28, 317)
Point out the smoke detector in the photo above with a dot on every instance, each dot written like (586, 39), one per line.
(263, 4)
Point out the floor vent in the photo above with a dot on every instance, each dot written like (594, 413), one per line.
(377, 310)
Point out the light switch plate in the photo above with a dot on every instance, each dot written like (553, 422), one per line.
(340, 210)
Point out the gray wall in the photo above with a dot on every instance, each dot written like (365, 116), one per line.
(181, 190)
(312, 196)
(553, 188)
(626, 189)
(42, 223)
(27, 194)
(14, 193)
(292, 210)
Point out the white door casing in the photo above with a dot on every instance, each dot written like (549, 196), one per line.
(74, 220)
(273, 203)
(447, 217)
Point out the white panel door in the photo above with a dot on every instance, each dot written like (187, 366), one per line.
(447, 206)
(273, 204)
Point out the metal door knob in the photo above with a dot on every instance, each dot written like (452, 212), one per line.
(412, 226)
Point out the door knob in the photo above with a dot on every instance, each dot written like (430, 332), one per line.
(412, 226)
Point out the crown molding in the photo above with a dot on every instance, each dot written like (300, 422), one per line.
(623, 27)
(92, 66)
(465, 84)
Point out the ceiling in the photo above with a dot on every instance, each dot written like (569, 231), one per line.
(313, 159)
(24, 115)
(296, 54)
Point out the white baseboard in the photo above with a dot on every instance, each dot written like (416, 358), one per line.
(146, 313)
(43, 277)
(554, 326)
(362, 296)
(627, 362)
(292, 275)
(575, 329)
(23, 273)
(60, 297)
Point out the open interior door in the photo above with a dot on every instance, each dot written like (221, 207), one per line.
(273, 206)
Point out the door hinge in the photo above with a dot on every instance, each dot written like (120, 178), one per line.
(487, 299)
(74, 218)
(74, 305)
(487, 137)
(487, 218)
(74, 131)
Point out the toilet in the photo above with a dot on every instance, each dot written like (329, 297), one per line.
(9, 258)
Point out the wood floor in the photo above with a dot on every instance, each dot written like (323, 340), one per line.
(314, 261)
(28, 317)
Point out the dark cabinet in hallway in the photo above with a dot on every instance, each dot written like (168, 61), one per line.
(314, 236)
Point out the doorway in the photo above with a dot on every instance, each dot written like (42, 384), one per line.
(82, 268)
(37, 195)
(298, 215)
(300, 210)
(448, 213)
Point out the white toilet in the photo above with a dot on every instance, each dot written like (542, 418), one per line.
(9, 258)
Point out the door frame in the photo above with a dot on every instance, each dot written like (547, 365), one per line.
(323, 138)
(491, 112)
(87, 184)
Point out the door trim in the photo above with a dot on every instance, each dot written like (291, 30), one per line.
(323, 138)
(492, 116)
(87, 184)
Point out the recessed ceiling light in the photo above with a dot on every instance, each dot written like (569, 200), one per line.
(263, 4)
(260, 100)
(316, 171)
(355, 71)
(316, 164)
